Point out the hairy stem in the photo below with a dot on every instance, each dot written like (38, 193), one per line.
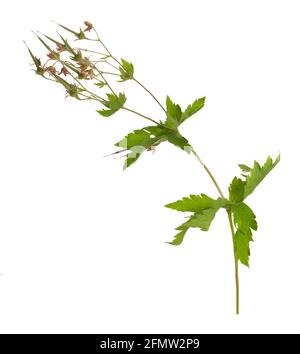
(229, 214)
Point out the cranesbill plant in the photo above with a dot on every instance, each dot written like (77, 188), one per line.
(86, 73)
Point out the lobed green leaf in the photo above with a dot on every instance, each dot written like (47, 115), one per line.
(193, 108)
(197, 203)
(173, 114)
(148, 138)
(245, 221)
(114, 103)
(236, 190)
(202, 220)
(257, 173)
(204, 210)
(126, 70)
(178, 238)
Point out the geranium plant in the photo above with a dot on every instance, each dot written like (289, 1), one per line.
(87, 73)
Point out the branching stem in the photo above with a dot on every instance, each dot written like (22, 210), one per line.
(93, 96)
(120, 64)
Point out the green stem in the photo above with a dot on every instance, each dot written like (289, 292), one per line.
(209, 173)
(119, 63)
(104, 79)
(236, 264)
(91, 51)
(140, 114)
(229, 214)
(151, 94)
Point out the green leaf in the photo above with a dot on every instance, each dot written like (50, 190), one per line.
(173, 114)
(244, 168)
(204, 210)
(197, 203)
(148, 138)
(257, 173)
(172, 136)
(175, 138)
(236, 190)
(113, 103)
(178, 238)
(139, 141)
(201, 220)
(100, 84)
(245, 221)
(244, 217)
(193, 108)
(126, 70)
(241, 244)
(197, 220)
(137, 137)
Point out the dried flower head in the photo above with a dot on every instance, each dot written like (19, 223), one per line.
(60, 47)
(53, 55)
(51, 69)
(89, 26)
(64, 71)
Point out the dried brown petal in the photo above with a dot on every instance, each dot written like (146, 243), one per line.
(60, 47)
(89, 26)
(64, 71)
(53, 55)
(51, 69)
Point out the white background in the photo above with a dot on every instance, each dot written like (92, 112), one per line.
(82, 242)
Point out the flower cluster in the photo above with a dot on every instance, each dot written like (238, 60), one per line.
(70, 66)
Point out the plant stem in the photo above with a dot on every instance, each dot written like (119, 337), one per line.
(106, 82)
(229, 211)
(236, 265)
(209, 173)
(229, 214)
(91, 51)
(119, 63)
(140, 114)
(150, 93)
(100, 41)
